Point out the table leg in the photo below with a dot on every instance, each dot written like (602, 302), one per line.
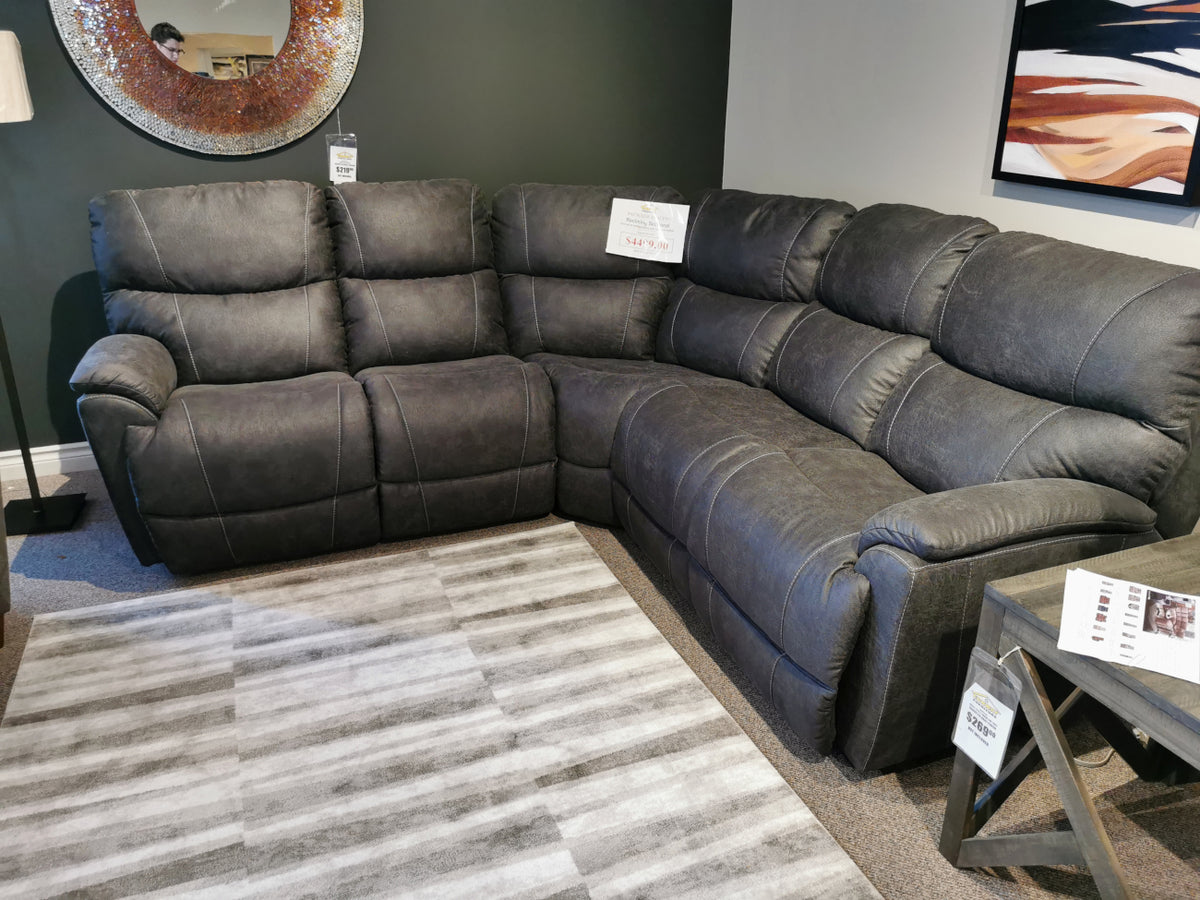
(959, 821)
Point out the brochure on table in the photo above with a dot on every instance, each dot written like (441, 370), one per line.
(1132, 624)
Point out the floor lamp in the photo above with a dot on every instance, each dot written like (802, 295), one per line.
(38, 513)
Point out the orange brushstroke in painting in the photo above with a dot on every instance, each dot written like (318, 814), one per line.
(1119, 140)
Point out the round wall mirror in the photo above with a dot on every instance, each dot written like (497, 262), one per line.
(228, 77)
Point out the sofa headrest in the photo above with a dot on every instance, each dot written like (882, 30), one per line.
(764, 246)
(212, 238)
(409, 229)
(890, 266)
(561, 231)
(1079, 326)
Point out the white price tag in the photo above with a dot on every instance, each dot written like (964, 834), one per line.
(343, 158)
(984, 724)
(644, 229)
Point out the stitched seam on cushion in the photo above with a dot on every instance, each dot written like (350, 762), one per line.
(854, 368)
(887, 444)
(787, 256)
(912, 287)
(182, 330)
(475, 339)
(413, 448)
(675, 318)
(885, 535)
(208, 484)
(153, 246)
(86, 397)
(363, 262)
(787, 598)
(525, 222)
(738, 368)
(717, 493)
(683, 477)
(771, 683)
(471, 227)
(1021, 442)
(962, 622)
(1120, 309)
(337, 472)
(779, 354)
(687, 248)
(628, 314)
(639, 409)
(950, 290)
(825, 262)
(307, 304)
(537, 326)
(524, 443)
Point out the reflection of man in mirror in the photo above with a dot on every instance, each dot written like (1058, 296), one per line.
(168, 39)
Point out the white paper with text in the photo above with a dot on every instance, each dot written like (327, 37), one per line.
(644, 229)
(1132, 624)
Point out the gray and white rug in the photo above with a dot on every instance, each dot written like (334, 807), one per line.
(489, 719)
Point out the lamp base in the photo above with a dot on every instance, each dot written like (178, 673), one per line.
(58, 513)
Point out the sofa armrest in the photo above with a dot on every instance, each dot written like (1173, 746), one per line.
(978, 518)
(133, 366)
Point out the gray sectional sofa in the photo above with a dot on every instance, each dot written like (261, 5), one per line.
(829, 427)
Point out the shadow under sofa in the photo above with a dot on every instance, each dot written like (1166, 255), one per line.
(829, 427)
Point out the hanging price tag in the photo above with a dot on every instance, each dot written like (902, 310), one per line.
(343, 157)
(986, 714)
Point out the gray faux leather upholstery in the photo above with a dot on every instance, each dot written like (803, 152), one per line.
(562, 292)
(414, 262)
(461, 444)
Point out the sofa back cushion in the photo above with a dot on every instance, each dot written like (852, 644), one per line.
(891, 265)
(748, 258)
(1052, 359)
(766, 246)
(414, 265)
(562, 292)
(880, 287)
(236, 280)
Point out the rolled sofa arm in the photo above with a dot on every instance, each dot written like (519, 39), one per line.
(975, 519)
(132, 366)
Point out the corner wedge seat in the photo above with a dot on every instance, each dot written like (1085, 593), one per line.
(464, 432)
(220, 410)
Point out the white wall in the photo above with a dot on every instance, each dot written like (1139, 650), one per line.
(898, 101)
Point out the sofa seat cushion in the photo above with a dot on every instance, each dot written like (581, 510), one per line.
(233, 474)
(461, 444)
(776, 529)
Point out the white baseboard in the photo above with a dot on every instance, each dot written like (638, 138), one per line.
(57, 459)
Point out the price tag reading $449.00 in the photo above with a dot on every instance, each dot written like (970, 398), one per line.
(986, 714)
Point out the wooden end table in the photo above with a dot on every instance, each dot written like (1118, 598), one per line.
(1025, 612)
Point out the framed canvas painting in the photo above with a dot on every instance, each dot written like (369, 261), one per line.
(1104, 96)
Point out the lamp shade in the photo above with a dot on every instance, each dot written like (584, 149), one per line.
(15, 105)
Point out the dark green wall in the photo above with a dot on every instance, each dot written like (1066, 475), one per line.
(497, 91)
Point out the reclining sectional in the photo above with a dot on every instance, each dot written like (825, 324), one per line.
(829, 427)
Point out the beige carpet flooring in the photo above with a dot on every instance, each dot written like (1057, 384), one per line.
(887, 822)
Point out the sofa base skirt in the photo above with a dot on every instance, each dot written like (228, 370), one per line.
(806, 704)
(203, 543)
(415, 509)
(584, 492)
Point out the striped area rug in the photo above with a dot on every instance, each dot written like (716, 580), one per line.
(490, 719)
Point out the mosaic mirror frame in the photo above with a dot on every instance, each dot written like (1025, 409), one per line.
(293, 94)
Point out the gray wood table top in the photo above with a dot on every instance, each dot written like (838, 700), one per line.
(1172, 566)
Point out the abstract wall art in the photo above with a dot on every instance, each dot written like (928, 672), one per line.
(1104, 96)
